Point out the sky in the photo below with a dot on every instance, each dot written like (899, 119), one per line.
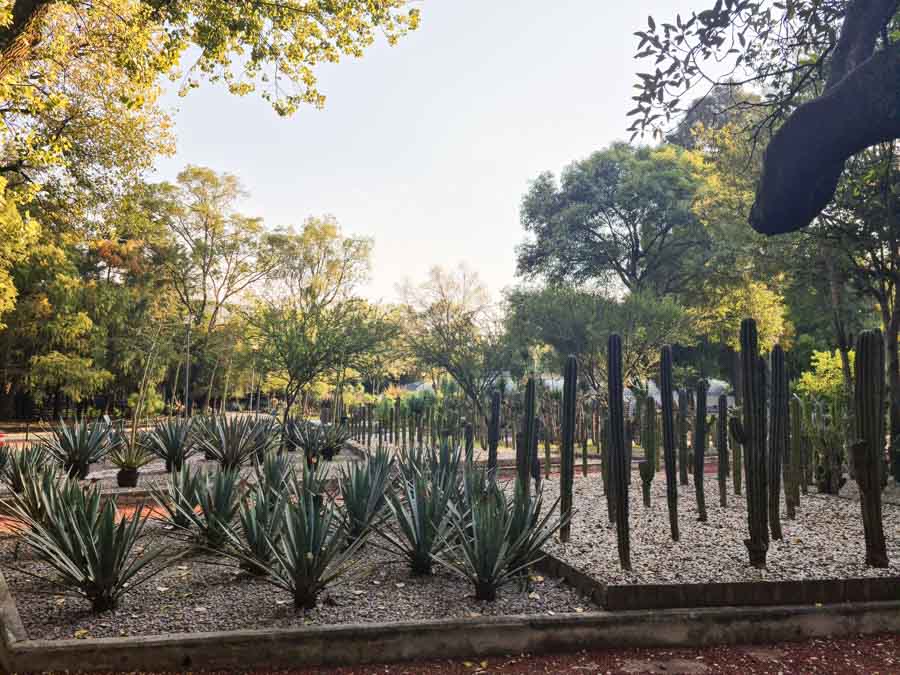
(428, 146)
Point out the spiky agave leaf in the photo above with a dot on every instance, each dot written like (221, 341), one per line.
(274, 472)
(235, 441)
(261, 517)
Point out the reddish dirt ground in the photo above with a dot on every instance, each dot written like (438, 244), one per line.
(871, 655)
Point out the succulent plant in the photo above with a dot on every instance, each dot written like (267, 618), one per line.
(567, 447)
(78, 445)
(618, 478)
(668, 430)
(172, 441)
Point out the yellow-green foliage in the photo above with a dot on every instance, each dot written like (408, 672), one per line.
(825, 380)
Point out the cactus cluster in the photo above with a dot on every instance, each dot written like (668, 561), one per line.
(647, 468)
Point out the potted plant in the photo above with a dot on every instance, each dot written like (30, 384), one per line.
(129, 459)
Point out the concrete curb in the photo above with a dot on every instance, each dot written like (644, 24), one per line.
(483, 637)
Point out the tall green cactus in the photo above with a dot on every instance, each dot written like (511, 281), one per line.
(722, 449)
(868, 450)
(494, 431)
(529, 437)
(737, 466)
(647, 468)
(751, 433)
(778, 411)
(700, 449)
(794, 465)
(668, 434)
(584, 445)
(469, 435)
(618, 478)
(605, 472)
(567, 447)
(682, 437)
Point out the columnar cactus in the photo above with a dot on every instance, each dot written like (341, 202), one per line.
(647, 468)
(618, 476)
(868, 450)
(793, 466)
(722, 449)
(778, 411)
(494, 431)
(751, 433)
(682, 437)
(605, 466)
(397, 421)
(529, 436)
(737, 467)
(700, 450)
(470, 441)
(370, 425)
(584, 442)
(567, 446)
(668, 435)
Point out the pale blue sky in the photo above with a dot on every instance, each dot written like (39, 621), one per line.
(428, 146)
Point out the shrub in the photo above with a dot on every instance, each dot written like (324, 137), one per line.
(82, 543)
(172, 441)
(363, 486)
(235, 441)
(78, 445)
(422, 510)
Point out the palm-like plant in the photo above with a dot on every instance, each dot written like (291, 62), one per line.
(22, 465)
(312, 551)
(78, 445)
(235, 441)
(178, 498)
(91, 554)
(496, 541)
(421, 509)
(172, 441)
(363, 486)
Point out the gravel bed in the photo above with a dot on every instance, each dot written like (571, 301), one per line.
(198, 594)
(825, 541)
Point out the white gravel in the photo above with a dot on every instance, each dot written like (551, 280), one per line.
(825, 541)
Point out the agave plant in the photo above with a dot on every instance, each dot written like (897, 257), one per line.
(80, 540)
(274, 472)
(172, 441)
(178, 498)
(421, 509)
(218, 497)
(311, 552)
(363, 486)
(261, 525)
(498, 541)
(129, 458)
(235, 441)
(22, 465)
(78, 445)
(39, 490)
(335, 437)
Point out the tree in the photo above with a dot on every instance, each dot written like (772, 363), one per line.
(245, 43)
(622, 216)
(454, 327)
(578, 321)
(830, 72)
(309, 323)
